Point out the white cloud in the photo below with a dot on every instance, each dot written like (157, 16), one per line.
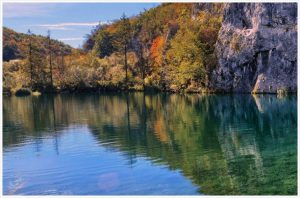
(63, 26)
(71, 39)
(58, 28)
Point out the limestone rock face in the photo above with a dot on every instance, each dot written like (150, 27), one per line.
(257, 48)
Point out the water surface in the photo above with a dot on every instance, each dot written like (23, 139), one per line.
(144, 144)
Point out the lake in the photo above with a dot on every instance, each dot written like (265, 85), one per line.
(149, 144)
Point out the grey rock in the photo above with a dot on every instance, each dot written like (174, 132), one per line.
(257, 48)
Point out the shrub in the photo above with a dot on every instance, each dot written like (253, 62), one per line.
(23, 92)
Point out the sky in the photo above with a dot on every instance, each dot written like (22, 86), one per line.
(67, 22)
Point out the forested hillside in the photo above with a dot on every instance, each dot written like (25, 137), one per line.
(171, 47)
(15, 45)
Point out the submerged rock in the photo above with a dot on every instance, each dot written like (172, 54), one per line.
(36, 93)
(257, 48)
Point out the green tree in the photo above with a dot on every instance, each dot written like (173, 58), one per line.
(185, 56)
(122, 41)
(10, 52)
(104, 46)
(50, 58)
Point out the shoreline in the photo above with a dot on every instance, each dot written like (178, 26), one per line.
(27, 92)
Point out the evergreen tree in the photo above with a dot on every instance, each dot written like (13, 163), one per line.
(104, 46)
(122, 41)
(50, 58)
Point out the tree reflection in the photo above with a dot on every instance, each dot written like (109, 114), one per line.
(229, 144)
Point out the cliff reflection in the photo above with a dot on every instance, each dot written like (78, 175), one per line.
(227, 144)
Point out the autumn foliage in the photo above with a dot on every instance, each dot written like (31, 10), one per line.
(156, 50)
(169, 47)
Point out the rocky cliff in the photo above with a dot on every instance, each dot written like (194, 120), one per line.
(257, 48)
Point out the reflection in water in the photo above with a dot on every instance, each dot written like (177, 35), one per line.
(229, 144)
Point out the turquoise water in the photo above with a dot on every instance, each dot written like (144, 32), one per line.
(150, 144)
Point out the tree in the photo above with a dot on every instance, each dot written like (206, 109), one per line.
(10, 52)
(156, 50)
(142, 63)
(50, 58)
(89, 43)
(186, 56)
(30, 57)
(122, 41)
(104, 46)
(61, 68)
(36, 60)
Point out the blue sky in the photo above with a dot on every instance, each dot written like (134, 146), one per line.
(68, 22)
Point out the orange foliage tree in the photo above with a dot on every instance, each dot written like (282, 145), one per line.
(156, 50)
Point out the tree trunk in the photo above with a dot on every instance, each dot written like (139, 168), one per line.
(31, 67)
(142, 62)
(126, 67)
(50, 62)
